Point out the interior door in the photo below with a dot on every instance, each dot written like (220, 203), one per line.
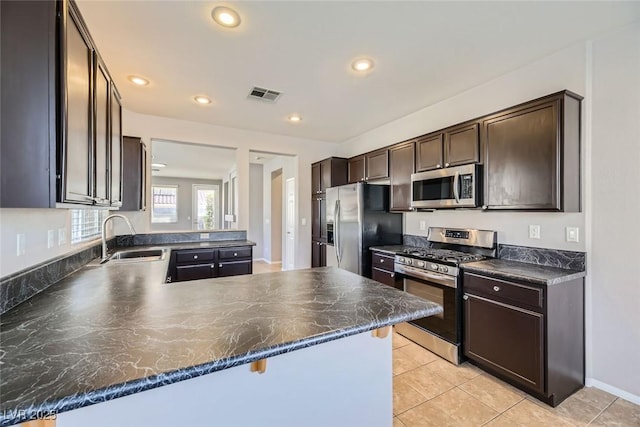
(290, 191)
(206, 207)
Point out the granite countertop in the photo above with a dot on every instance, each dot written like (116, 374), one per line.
(116, 329)
(515, 270)
(190, 245)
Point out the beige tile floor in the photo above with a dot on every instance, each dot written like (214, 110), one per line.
(264, 267)
(428, 391)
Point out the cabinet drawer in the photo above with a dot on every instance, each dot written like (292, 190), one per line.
(195, 256)
(194, 272)
(383, 262)
(234, 268)
(500, 290)
(383, 276)
(234, 253)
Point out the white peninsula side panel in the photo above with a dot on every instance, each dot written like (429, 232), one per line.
(346, 382)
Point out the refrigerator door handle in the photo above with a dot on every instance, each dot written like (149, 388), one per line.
(337, 232)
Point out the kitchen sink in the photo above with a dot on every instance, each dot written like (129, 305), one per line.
(155, 254)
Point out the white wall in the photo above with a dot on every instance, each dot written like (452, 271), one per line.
(306, 151)
(288, 166)
(615, 210)
(256, 200)
(563, 70)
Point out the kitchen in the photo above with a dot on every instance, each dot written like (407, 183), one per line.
(594, 65)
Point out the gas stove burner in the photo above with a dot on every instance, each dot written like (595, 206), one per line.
(446, 255)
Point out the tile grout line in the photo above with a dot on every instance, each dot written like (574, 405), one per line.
(603, 411)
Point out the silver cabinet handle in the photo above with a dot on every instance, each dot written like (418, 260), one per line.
(446, 165)
(438, 165)
(392, 274)
(195, 257)
(496, 288)
(466, 297)
(235, 254)
(212, 266)
(220, 265)
(381, 261)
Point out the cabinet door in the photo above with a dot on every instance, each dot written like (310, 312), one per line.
(323, 254)
(377, 164)
(386, 277)
(401, 166)
(356, 169)
(235, 268)
(316, 259)
(461, 145)
(522, 157)
(116, 149)
(78, 138)
(133, 172)
(429, 152)
(101, 95)
(195, 272)
(507, 339)
(317, 218)
(325, 175)
(316, 180)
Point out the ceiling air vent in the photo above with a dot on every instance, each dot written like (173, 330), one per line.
(265, 95)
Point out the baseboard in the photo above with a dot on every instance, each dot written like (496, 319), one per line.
(590, 382)
(272, 262)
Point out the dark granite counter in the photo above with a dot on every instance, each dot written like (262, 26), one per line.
(515, 270)
(390, 249)
(191, 245)
(115, 329)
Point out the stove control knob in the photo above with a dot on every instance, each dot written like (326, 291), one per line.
(401, 260)
(421, 264)
(408, 261)
(444, 269)
(434, 267)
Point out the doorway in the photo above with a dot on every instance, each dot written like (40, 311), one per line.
(290, 224)
(276, 216)
(206, 207)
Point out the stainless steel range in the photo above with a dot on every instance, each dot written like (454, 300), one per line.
(433, 273)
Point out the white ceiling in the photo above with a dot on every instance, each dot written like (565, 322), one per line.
(424, 52)
(192, 160)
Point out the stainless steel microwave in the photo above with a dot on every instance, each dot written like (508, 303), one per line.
(447, 188)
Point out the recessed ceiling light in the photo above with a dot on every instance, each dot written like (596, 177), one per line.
(159, 165)
(225, 16)
(137, 80)
(361, 65)
(294, 118)
(202, 100)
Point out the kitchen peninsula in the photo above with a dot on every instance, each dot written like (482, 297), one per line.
(113, 344)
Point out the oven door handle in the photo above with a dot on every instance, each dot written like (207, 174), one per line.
(440, 279)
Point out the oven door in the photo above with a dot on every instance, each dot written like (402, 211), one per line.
(441, 290)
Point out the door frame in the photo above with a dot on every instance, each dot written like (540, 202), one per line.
(194, 204)
(290, 225)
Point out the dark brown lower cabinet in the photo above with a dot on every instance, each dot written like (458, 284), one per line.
(207, 263)
(318, 254)
(531, 336)
(382, 270)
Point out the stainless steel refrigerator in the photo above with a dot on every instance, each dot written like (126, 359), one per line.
(358, 217)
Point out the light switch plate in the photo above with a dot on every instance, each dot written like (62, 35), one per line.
(303, 221)
(204, 236)
(534, 231)
(51, 238)
(573, 234)
(423, 225)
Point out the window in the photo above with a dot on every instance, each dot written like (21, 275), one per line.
(164, 203)
(86, 224)
(206, 207)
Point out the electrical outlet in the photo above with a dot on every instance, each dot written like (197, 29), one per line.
(534, 231)
(62, 236)
(51, 239)
(573, 234)
(303, 221)
(20, 244)
(204, 236)
(423, 225)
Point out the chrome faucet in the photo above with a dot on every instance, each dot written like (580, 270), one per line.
(104, 232)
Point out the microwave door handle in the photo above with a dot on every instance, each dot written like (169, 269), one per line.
(456, 185)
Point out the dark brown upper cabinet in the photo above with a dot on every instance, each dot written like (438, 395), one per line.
(77, 146)
(369, 167)
(429, 154)
(533, 155)
(116, 149)
(56, 122)
(401, 166)
(102, 133)
(454, 146)
(134, 167)
(328, 173)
